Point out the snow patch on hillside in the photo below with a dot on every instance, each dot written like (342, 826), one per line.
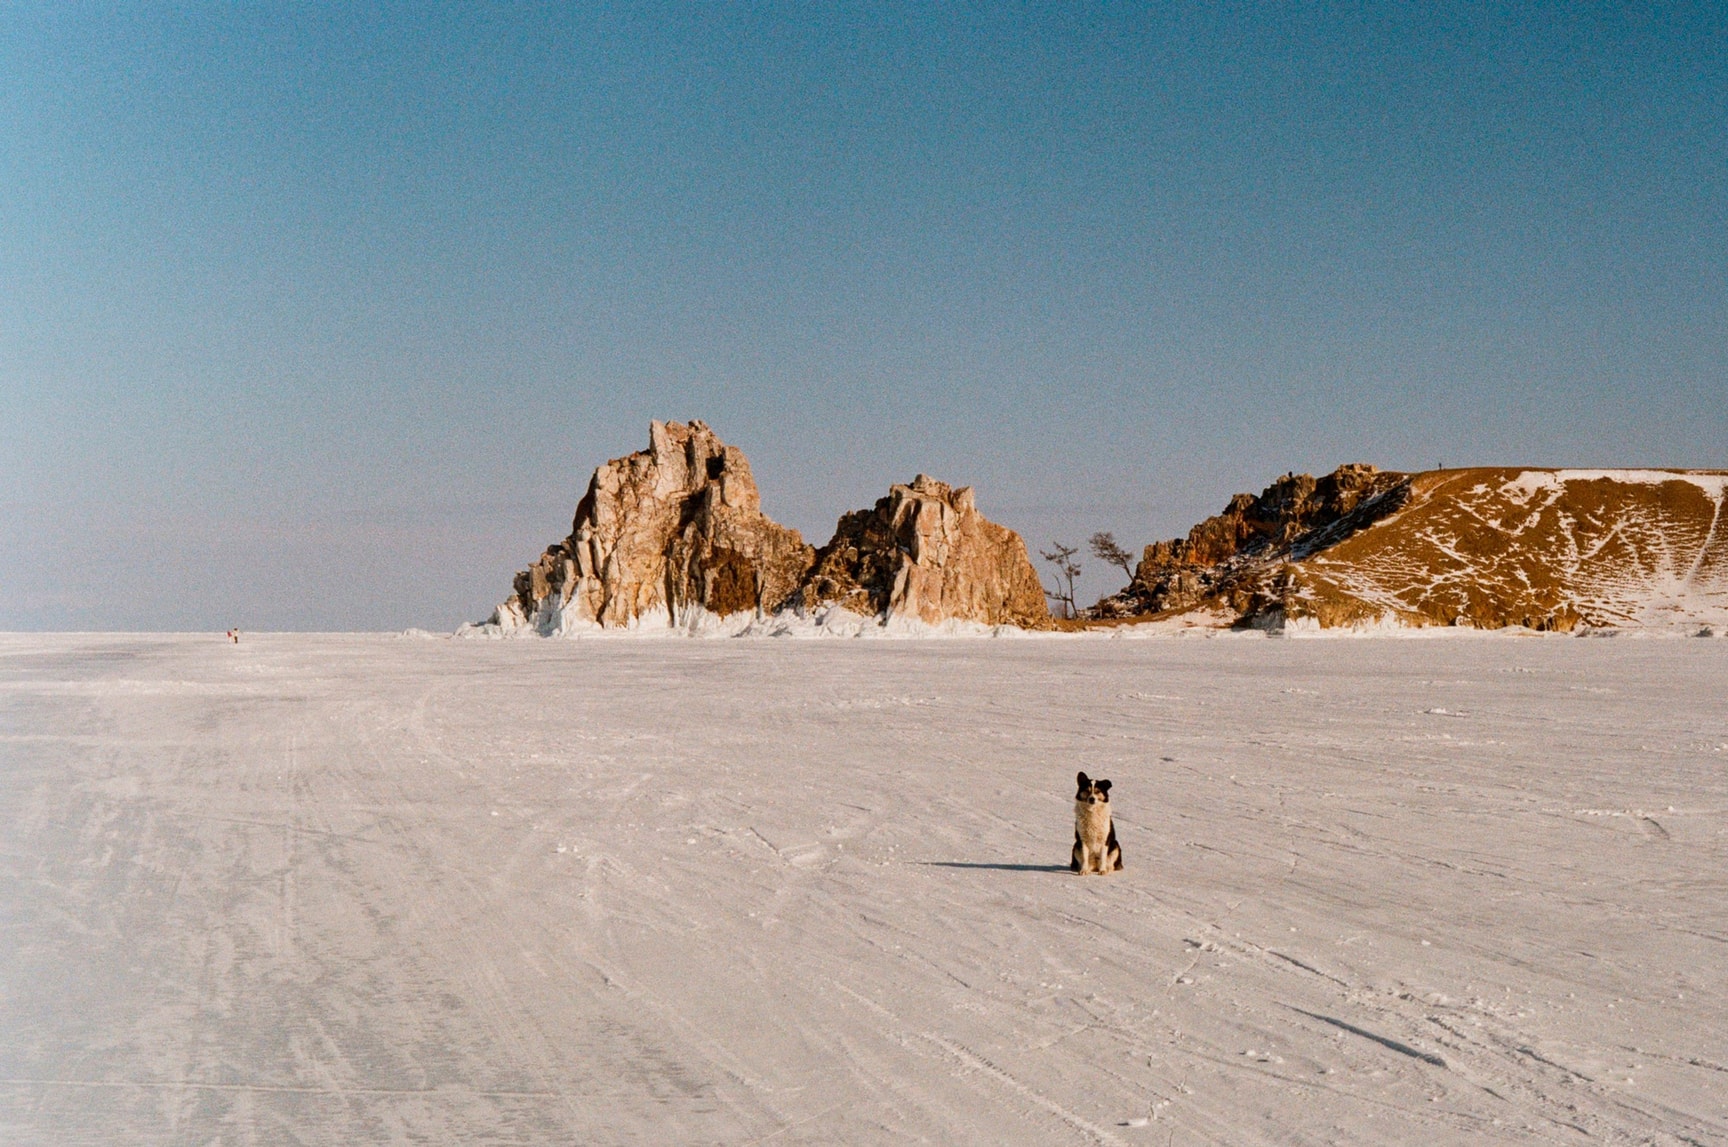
(1529, 483)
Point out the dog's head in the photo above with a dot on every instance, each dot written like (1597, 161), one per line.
(1092, 792)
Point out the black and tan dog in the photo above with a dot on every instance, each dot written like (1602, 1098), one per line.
(1095, 847)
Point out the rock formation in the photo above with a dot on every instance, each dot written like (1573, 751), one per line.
(1486, 548)
(1223, 557)
(925, 552)
(674, 535)
(667, 534)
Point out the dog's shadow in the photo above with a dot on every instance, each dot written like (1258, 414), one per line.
(997, 867)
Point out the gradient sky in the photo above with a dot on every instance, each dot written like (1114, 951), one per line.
(314, 318)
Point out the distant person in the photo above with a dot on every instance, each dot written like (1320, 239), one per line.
(234, 636)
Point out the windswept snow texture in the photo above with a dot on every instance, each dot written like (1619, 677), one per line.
(1539, 548)
(339, 890)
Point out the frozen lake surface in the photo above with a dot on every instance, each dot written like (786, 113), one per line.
(346, 889)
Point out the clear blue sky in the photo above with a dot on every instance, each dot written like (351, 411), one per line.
(320, 319)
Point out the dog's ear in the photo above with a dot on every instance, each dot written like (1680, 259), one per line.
(1082, 780)
(1104, 786)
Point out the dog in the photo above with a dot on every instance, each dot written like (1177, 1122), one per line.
(1095, 847)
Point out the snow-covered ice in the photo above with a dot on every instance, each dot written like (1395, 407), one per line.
(344, 889)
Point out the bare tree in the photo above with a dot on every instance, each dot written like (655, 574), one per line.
(1105, 549)
(1067, 569)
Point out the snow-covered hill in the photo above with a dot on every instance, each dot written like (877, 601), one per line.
(1487, 548)
(1546, 549)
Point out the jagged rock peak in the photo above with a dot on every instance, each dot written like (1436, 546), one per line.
(667, 534)
(1293, 516)
(674, 535)
(925, 552)
(1290, 507)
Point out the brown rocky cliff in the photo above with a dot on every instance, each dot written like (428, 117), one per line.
(925, 552)
(659, 533)
(1221, 557)
(675, 533)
